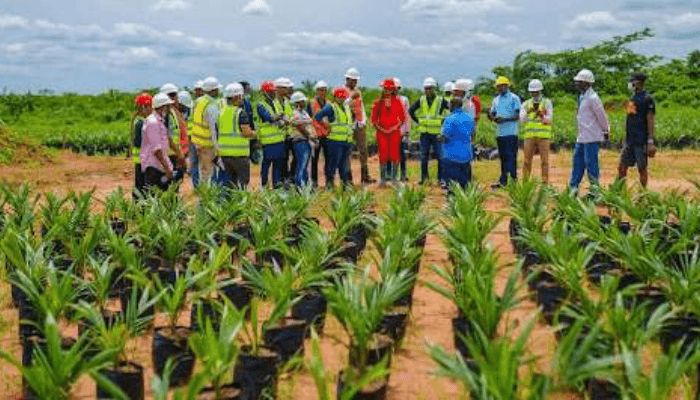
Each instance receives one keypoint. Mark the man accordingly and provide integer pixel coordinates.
(427, 112)
(505, 112)
(144, 103)
(640, 130)
(284, 88)
(322, 128)
(536, 116)
(340, 137)
(464, 88)
(303, 137)
(447, 90)
(271, 123)
(156, 166)
(192, 151)
(177, 129)
(457, 154)
(255, 148)
(186, 105)
(593, 128)
(234, 135)
(197, 88)
(405, 130)
(359, 125)
(206, 114)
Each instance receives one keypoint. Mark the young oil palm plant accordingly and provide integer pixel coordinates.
(21, 203)
(467, 223)
(359, 303)
(529, 202)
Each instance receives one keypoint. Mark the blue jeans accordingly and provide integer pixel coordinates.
(427, 142)
(302, 154)
(273, 155)
(221, 177)
(194, 165)
(585, 160)
(457, 172)
(508, 153)
(338, 154)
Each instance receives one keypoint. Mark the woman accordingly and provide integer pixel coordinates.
(303, 138)
(388, 114)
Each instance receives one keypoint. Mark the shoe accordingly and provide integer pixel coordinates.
(368, 181)
(497, 185)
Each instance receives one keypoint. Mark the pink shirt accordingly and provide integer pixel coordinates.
(155, 137)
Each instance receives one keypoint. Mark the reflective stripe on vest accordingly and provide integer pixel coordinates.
(269, 133)
(231, 143)
(174, 131)
(201, 136)
(534, 128)
(429, 119)
(341, 129)
(136, 150)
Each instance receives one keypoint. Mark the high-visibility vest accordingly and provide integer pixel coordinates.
(231, 142)
(341, 127)
(321, 130)
(269, 133)
(136, 150)
(429, 118)
(201, 136)
(174, 131)
(534, 128)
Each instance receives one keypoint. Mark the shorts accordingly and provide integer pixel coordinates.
(634, 155)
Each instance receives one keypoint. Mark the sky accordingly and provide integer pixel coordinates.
(89, 46)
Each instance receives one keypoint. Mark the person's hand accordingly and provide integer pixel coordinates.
(651, 150)
(606, 137)
(498, 120)
(169, 174)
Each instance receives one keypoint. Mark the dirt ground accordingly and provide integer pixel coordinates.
(412, 369)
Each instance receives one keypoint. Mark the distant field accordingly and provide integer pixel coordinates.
(100, 124)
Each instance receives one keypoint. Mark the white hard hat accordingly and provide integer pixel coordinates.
(160, 100)
(585, 75)
(233, 90)
(462, 84)
(429, 82)
(535, 85)
(320, 85)
(448, 86)
(168, 88)
(352, 73)
(210, 84)
(397, 82)
(198, 84)
(284, 82)
(297, 97)
(185, 98)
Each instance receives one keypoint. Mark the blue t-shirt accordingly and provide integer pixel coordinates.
(506, 105)
(457, 131)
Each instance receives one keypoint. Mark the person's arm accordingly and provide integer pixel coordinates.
(516, 110)
(327, 112)
(150, 133)
(548, 116)
(264, 115)
(651, 120)
(164, 162)
(244, 122)
(212, 115)
(412, 111)
(523, 115)
(132, 134)
(492, 111)
(600, 116)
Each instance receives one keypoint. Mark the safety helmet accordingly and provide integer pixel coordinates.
(210, 83)
(585, 75)
(320, 85)
(185, 98)
(448, 86)
(284, 82)
(233, 90)
(397, 82)
(389, 84)
(198, 84)
(143, 99)
(429, 82)
(160, 100)
(267, 86)
(535, 85)
(168, 88)
(297, 97)
(502, 80)
(341, 92)
(352, 73)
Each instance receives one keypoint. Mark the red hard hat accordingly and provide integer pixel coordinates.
(144, 99)
(267, 86)
(341, 92)
(389, 84)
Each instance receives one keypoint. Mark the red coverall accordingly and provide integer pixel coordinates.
(389, 117)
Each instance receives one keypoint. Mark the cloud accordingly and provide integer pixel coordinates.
(133, 55)
(683, 26)
(597, 20)
(257, 7)
(171, 5)
(446, 8)
(12, 21)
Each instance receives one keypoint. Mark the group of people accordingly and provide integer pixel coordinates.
(216, 138)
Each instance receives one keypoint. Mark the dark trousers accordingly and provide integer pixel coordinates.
(273, 156)
(508, 153)
(404, 155)
(427, 142)
(155, 179)
(314, 160)
(456, 172)
(139, 181)
(338, 154)
(238, 169)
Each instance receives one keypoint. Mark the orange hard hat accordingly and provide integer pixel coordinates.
(341, 92)
(143, 99)
(267, 86)
(389, 84)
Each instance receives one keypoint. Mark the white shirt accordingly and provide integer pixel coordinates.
(406, 126)
(592, 120)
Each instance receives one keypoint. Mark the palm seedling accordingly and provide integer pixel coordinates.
(529, 202)
(359, 303)
(351, 220)
(268, 233)
(21, 205)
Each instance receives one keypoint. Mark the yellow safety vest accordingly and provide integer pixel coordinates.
(201, 136)
(136, 150)
(269, 133)
(429, 118)
(534, 128)
(341, 127)
(174, 132)
(231, 142)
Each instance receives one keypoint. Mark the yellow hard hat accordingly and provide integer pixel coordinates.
(502, 80)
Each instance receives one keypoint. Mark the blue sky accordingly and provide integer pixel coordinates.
(90, 46)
